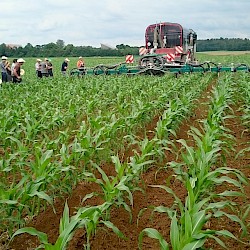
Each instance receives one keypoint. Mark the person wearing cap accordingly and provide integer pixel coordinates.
(3, 67)
(38, 68)
(44, 68)
(50, 68)
(65, 66)
(17, 71)
(13, 66)
(80, 65)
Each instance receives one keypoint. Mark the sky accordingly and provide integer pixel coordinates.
(113, 22)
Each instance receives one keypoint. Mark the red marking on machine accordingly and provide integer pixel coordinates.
(170, 57)
(142, 51)
(178, 50)
(129, 59)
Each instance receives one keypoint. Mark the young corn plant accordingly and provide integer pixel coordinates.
(188, 220)
(86, 217)
(23, 197)
(89, 142)
(198, 165)
(32, 126)
(115, 188)
(67, 228)
(147, 153)
(93, 217)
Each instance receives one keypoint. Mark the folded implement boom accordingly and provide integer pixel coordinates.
(159, 67)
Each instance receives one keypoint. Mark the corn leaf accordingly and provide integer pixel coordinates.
(154, 234)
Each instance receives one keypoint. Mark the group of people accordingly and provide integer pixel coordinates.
(44, 68)
(11, 72)
(80, 65)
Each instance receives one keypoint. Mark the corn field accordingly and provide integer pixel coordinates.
(126, 162)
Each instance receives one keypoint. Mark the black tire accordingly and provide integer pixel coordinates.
(150, 61)
(74, 72)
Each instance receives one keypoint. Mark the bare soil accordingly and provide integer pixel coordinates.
(48, 222)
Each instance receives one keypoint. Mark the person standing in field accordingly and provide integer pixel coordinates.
(13, 66)
(44, 68)
(50, 68)
(38, 68)
(17, 71)
(3, 67)
(80, 65)
(65, 66)
(8, 70)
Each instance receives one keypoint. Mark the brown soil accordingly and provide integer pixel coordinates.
(48, 222)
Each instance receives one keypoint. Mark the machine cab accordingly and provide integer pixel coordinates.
(171, 40)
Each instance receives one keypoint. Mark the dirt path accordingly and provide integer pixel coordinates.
(105, 239)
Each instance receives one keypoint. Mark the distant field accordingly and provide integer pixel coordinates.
(225, 57)
(223, 53)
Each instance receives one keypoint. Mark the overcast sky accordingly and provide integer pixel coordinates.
(83, 22)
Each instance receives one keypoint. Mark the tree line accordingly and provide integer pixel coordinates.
(59, 49)
(229, 44)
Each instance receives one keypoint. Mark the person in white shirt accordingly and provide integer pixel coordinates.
(38, 68)
(13, 66)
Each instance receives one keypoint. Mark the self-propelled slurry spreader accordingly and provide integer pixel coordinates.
(169, 47)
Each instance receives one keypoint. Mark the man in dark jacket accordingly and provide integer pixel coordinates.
(3, 67)
(65, 66)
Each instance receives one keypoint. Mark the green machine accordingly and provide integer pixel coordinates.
(156, 66)
(169, 47)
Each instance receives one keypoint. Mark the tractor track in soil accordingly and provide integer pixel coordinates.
(48, 222)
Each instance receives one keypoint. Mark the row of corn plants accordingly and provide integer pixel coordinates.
(176, 110)
(47, 105)
(128, 173)
(244, 88)
(200, 172)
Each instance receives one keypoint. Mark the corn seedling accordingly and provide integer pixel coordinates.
(188, 221)
(114, 187)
